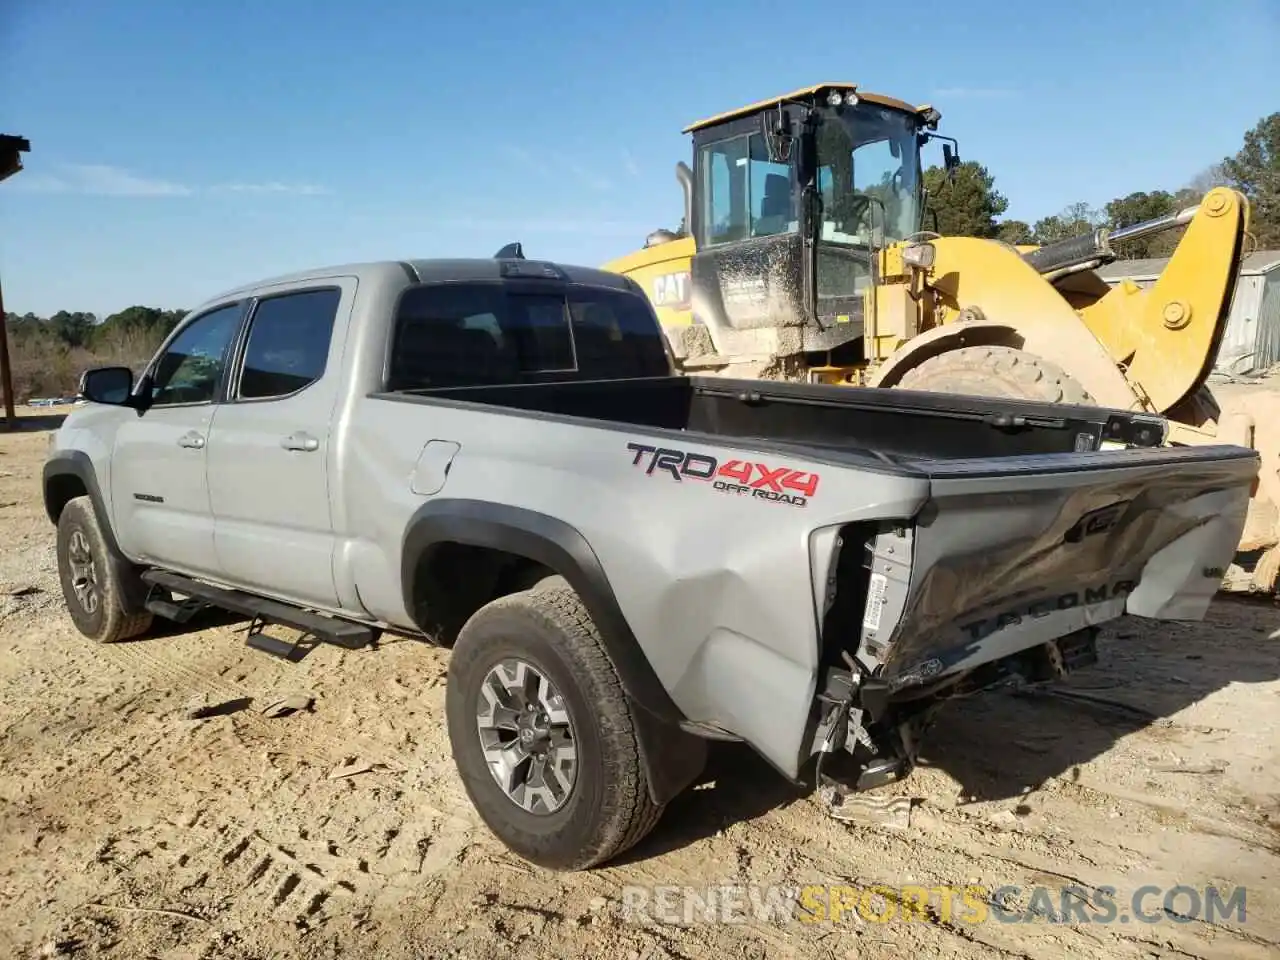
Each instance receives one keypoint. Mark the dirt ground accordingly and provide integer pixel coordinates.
(129, 830)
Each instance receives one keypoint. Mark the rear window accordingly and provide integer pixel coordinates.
(470, 334)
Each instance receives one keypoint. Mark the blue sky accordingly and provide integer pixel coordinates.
(182, 148)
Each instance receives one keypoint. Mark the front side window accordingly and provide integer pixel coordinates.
(470, 334)
(744, 193)
(191, 367)
(288, 345)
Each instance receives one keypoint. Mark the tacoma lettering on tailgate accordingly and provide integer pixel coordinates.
(742, 477)
(980, 629)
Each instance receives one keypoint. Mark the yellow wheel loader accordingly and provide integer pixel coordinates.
(803, 255)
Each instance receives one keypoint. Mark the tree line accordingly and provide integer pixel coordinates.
(49, 353)
(80, 329)
(968, 204)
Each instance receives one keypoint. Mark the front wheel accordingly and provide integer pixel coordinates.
(542, 734)
(996, 372)
(91, 587)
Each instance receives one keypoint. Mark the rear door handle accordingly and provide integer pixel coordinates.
(300, 441)
(192, 440)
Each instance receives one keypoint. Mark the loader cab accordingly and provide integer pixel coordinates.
(789, 201)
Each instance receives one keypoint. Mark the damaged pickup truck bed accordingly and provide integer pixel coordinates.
(496, 454)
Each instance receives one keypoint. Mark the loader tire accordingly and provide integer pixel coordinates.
(996, 372)
(91, 587)
(579, 794)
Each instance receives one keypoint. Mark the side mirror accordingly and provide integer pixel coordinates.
(777, 136)
(111, 385)
(950, 158)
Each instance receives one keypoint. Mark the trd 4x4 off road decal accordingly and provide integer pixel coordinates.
(743, 477)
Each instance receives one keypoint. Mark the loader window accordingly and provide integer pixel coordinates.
(744, 193)
(868, 175)
(869, 186)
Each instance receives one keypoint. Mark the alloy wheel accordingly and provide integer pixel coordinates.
(527, 736)
(84, 572)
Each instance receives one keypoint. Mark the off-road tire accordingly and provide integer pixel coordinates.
(996, 372)
(608, 809)
(106, 622)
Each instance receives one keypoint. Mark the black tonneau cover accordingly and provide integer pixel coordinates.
(901, 426)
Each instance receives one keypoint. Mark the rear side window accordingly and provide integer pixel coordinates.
(288, 344)
(471, 334)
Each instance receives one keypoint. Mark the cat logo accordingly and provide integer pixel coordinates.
(671, 290)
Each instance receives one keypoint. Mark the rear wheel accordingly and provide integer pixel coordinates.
(996, 372)
(542, 734)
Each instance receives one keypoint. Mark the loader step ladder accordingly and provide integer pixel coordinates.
(261, 611)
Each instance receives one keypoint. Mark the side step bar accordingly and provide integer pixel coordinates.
(342, 633)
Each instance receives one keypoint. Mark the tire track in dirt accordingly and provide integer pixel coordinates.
(265, 878)
(166, 661)
(269, 870)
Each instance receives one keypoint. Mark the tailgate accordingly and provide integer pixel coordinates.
(1010, 553)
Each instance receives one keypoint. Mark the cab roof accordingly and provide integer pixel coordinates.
(415, 271)
(801, 94)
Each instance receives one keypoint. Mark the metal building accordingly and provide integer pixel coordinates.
(1251, 343)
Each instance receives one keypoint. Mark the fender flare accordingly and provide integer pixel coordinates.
(1108, 388)
(76, 464)
(941, 340)
(672, 757)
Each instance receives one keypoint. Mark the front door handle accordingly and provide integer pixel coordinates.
(300, 441)
(192, 440)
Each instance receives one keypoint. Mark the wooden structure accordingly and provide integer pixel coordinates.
(11, 150)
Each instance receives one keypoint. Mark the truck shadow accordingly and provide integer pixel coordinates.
(1000, 745)
(206, 619)
(737, 786)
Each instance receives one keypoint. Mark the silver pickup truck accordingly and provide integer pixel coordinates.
(496, 454)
